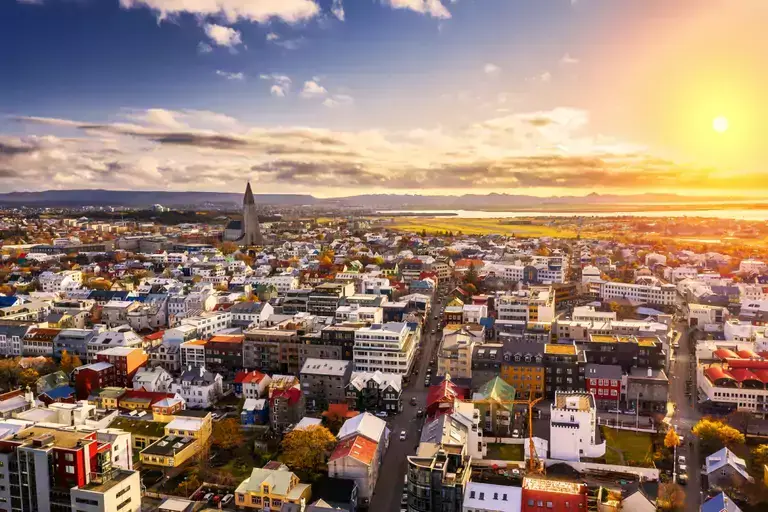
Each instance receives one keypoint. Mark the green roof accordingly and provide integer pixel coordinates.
(140, 427)
(497, 390)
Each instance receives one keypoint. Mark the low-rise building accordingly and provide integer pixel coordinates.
(573, 422)
(363, 440)
(153, 379)
(324, 382)
(540, 494)
(375, 392)
(270, 489)
(198, 387)
(604, 382)
(126, 360)
(286, 402)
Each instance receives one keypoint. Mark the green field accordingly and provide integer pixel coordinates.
(478, 227)
(514, 452)
(623, 446)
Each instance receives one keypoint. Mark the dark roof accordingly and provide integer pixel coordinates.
(196, 375)
(333, 490)
(235, 225)
(248, 199)
(251, 308)
(60, 392)
(603, 371)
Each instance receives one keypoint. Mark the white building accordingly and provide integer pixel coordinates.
(120, 337)
(388, 348)
(152, 379)
(64, 281)
(590, 273)
(472, 313)
(198, 387)
(588, 314)
(209, 322)
(482, 497)
(663, 295)
(282, 282)
(573, 423)
(119, 491)
(653, 258)
(376, 286)
(535, 304)
(704, 315)
(357, 313)
(752, 267)
(192, 353)
(675, 274)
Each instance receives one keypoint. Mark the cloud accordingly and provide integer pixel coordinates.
(171, 149)
(313, 90)
(230, 76)
(258, 11)
(434, 8)
(281, 84)
(338, 9)
(222, 36)
(288, 44)
(272, 36)
(546, 76)
(338, 100)
(568, 59)
(30, 2)
(203, 47)
(491, 69)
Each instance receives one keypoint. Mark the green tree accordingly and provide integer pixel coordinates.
(308, 448)
(471, 276)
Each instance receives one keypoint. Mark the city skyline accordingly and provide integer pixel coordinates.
(332, 98)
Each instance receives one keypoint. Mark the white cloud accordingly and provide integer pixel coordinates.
(203, 47)
(281, 84)
(272, 36)
(258, 11)
(223, 36)
(339, 100)
(434, 8)
(313, 90)
(491, 69)
(568, 59)
(338, 9)
(288, 44)
(545, 76)
(230, 76)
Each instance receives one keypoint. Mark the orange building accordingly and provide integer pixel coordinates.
(126, 360)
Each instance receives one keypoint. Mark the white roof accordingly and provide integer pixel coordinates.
(175, 505)
(313, 366)
(502, 498)
(365, 424)
(725, 457)
(185, 424)
(308, 422)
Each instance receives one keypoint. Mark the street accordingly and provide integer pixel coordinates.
(686, 416)
(390, 484)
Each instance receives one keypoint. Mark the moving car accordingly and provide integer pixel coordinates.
(402, 435)
(413, 400)
(381, 414)
(404, 499)
(419, 413)
(681, 459)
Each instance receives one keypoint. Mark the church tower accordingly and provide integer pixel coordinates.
(251, 228)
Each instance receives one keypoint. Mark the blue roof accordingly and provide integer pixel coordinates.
(6, 302)
(720, 503)
(487, 322)
(60, 392)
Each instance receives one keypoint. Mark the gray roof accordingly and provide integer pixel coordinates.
(14, 330)
(247, 308)
(333, 367)
(603, 371)
(197, 375)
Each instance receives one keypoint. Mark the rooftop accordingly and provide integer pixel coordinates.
(108, 481)
(555, 486)
(564, 350)
(168, 445)
(335, 367)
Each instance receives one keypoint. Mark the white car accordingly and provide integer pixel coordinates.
(681, 459)
(402, 435)
(683, 468)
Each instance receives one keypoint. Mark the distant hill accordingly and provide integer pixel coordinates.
(143, 199)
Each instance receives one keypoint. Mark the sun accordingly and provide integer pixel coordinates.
(720, 124)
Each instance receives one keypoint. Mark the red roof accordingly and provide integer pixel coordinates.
(747, 363)
(340, 409)
(446, 390)
(742, 374)
(748, 354)
(724, 353)
(292, 394)
(358, 447)
(254, 376)
(154, 336)
(227, 338)
(715, 373)
(762, 375)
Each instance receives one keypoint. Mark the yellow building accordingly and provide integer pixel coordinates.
(143, 433)
(523, 367)
(185, 436)
(268, 489)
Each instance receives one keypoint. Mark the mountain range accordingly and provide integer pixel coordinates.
(144, 199)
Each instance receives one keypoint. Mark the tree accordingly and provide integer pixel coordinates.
(307, 448)
(69, 362)
(671, 440)
(228, 248)
(28, 377)
(471, 276)
(6, 290)
(227, 434)
(714, 434)
(671, 497)
(760, 456)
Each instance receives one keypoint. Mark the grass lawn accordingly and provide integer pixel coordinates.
(505, 451)
(633, 446)
(477, 227)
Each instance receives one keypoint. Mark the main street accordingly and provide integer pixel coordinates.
(390, 485)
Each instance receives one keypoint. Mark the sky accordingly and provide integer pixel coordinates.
(342, 97)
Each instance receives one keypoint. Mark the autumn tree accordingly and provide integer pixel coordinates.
(307, 448)
(714, 434)
(471, 277)
(671, 440)
(69, 362)
(7, 290)
(228, 248)
(760, 456)
(28, 377)
(671, 497)
(227, 434)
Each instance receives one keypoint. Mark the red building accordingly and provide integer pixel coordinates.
(91, 377)
(604, 381)
(126, 360)
(543, 495)
(442, 397)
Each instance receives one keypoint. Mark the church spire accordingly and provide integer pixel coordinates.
(248, 199)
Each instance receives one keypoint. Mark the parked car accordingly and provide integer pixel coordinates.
(225, 501)
(682, 479)
(426, 382)
(404, 499)
(413, 400)
(419, 413)
(681, 459)
(683, 468)
(381, 414)
(208, 496)
(402, 435)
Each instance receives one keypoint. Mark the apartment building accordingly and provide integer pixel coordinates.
(326, 298)
(541, 494)
(354, 313)
(198, 387)
(192, 353)
(248, 314)
(74, 342)
(209, 322)
(536, 304)
(604, 381)
(115, 312)
(224, 353)
(120, 337)
(39, 342)
(282, 282)
(324, 382)
(166, 355)
(59, 282)
(664, 295)
(388, 348)
(286, 401)
(564, 367)
(454, 356)
(375, 392)
(11, 337)
(184, 437)
(271, 350)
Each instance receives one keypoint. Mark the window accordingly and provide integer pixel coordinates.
(71, 469)
(124, 504)
(549, 504)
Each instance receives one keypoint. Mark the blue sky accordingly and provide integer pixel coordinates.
(419, 95)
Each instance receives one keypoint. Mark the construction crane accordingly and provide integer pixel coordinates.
(534, 465)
